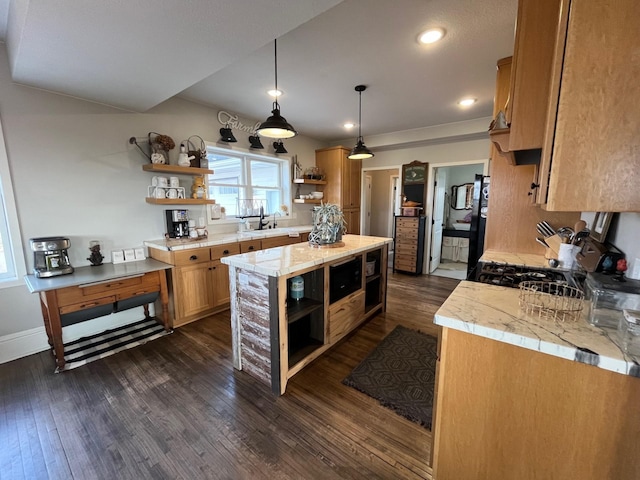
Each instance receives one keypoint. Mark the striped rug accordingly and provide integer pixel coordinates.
(87, 349)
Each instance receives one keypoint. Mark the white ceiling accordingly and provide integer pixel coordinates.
(135, 55)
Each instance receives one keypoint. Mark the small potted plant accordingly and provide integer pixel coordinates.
(328, 225)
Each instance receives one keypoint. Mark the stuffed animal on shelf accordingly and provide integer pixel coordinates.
(198, 189)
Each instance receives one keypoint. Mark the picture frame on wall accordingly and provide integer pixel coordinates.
(600, 226)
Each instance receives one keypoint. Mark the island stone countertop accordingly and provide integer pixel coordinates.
(279, 261)
(175, 244)
(493, 312)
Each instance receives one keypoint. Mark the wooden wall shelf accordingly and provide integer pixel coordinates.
(308, 181)
(180, 201)
(161, 168)
(313, 201)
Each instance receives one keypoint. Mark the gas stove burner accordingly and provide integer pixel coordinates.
(511, 275)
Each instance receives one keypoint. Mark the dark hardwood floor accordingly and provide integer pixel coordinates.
(176, 409)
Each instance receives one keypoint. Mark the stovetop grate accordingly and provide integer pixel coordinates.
(512, 275)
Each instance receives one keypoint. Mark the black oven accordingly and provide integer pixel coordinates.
(345, 278)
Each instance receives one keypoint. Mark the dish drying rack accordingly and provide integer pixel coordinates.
(552, 300)
(250, 207)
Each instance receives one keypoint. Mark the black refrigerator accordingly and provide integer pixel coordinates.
(478, 223)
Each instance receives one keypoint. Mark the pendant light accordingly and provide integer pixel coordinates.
(276, 126)
(360, 151)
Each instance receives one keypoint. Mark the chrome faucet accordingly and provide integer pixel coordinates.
(261, 221)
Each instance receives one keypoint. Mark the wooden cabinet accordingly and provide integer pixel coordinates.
(250, 246)
(199, 282)
(504, 402)
(408, 248)
(279, 241)
(526, 107)
(512, 219)
(591, 159)
(343, 183)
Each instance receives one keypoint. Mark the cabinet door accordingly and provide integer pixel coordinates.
(351, 170)
(220, 281)
(352, 217)
(593, 139)
(530, 72)
(193, 291)
(330, 160)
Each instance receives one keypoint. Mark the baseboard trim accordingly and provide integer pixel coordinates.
(22, 344)
(28, 342)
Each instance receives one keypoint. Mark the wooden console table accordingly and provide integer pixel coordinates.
(95, 291)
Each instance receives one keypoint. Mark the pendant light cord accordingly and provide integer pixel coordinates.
(360, 115)
(275, 56)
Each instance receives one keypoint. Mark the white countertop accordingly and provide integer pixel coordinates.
(493, 312)
(94, 274)
(279, 261)
(176, 244)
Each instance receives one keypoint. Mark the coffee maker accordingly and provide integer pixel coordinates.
(177, 223)
(50, 257)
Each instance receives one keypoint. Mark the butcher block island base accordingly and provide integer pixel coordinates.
(275, 336)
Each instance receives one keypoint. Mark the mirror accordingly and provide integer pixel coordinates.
(462, 196)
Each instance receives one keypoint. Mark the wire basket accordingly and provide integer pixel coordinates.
(557, 301)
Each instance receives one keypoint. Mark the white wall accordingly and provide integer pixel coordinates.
(75, 174)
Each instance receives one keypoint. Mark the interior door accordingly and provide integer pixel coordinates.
(367, 205)
(438, 218)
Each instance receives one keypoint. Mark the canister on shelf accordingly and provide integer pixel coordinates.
(296, 290)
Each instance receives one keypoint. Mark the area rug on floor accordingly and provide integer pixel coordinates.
(88, 349)
(400, 374)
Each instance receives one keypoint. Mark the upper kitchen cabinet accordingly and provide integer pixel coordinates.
(343, 183)
(526, 106)
(591, 151)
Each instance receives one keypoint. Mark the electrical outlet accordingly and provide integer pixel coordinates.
(635, 273)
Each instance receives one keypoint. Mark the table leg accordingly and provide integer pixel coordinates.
(45, 317)
(55, 328)
(146, 310)
(164, 300)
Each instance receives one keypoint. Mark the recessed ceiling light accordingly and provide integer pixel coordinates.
(349, 125)
(431, 36)
(467, 102)
(274, 93)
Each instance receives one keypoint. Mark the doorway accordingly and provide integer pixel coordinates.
(449, 232)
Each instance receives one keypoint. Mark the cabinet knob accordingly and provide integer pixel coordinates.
(226, 252)
(534, 186)
(251, 247)
(193, 257)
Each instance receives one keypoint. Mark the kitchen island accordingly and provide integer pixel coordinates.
(275, 336)
(523, 397)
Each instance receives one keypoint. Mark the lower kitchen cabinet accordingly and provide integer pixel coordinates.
(199, 281)
(408, 250)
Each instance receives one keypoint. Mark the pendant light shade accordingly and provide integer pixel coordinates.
(276, 126)
(360, 151)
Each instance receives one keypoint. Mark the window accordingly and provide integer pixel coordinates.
(244, 182)
(12, 266)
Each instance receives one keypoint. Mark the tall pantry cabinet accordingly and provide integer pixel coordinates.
(343, 183)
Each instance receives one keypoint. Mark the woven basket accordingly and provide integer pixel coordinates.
(553, 300)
